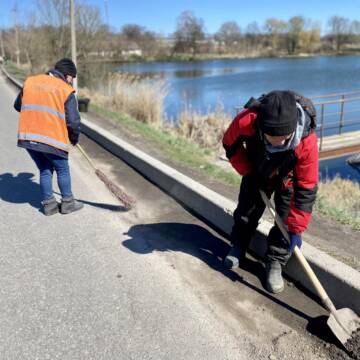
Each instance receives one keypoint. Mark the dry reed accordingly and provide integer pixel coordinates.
(143, 99)
(205, 130)
(140, 98)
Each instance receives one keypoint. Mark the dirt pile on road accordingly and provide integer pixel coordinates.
(353, 345)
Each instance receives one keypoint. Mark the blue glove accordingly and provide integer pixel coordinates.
(295, 240)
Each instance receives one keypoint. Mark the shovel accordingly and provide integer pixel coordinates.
(344, 323)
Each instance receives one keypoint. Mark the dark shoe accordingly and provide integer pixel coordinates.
(274, 280)
(234, 257)
(50, 206)
(69, 205)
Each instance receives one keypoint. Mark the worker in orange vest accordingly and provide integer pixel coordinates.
(49, 123)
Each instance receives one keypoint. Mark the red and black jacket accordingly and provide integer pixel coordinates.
(246, 152)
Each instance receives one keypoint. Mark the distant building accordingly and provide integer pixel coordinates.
(136, 52)
(102, 53)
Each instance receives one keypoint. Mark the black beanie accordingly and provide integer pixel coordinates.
(66, 66)
(277, 113)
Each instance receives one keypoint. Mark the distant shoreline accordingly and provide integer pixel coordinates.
(207, 57)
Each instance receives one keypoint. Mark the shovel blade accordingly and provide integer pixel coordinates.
(343, 323)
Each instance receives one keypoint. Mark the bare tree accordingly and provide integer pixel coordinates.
(275, 29)
(252, 34)
(189, 31)
(53, 17)
(88, 24)
(310, 38)
(28, 40)
(355, 27)
(339, 30)
(295, 29)
(17, 41)
(229, 34)
(355, 31)
(2, 44)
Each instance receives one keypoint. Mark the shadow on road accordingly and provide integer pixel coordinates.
(199, 242)
(21, 189)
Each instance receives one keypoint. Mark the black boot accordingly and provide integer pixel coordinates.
(234, 257)
(69, 205)
(50, 206)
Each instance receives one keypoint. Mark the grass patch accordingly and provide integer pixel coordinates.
(176, 148)
(339, 199)
(18, 73)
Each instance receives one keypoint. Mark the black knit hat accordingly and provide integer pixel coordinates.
(66, 66)
(277, 113)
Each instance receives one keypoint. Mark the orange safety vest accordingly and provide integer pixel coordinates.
(42, 116)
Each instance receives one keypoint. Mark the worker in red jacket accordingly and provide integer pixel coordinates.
(272, 143)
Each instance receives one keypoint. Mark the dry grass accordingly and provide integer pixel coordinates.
(340, 199)
(142, 99)
(205, 130)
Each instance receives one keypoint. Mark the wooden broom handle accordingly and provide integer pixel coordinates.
(85, 155)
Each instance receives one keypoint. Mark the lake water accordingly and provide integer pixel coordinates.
(328, 169)
(204, 84)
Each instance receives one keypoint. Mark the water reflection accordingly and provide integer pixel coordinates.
(190, 73)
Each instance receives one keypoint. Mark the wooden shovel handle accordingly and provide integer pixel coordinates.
(299, 255)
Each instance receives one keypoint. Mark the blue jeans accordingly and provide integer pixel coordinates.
(47, 163)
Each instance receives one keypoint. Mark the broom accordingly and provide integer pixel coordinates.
(120, 194)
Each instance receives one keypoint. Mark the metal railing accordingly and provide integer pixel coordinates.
(337, 113)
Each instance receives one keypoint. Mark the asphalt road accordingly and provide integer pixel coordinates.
(105, 283)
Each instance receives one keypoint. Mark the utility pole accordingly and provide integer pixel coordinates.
(73, 37)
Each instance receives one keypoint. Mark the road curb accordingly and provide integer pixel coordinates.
(340, 280)
(15, 82)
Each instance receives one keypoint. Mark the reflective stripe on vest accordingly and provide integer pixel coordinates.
(43, 108)
(43, 139)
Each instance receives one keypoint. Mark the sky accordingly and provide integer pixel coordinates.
(160, 15)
